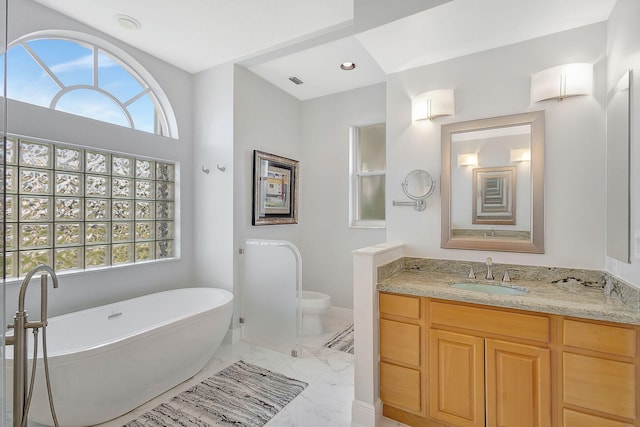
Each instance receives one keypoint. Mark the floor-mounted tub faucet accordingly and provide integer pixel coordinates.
(489, 263)
(19, 342)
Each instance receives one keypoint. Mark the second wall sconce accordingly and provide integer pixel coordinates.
(520, 155)
(432, 104)
(562, 82)
(468, 159)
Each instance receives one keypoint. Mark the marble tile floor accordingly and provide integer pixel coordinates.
(326, 402)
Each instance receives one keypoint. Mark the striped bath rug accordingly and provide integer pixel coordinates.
(342, 341)
(240, 395)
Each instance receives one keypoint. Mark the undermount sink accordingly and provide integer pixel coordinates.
(490, 289)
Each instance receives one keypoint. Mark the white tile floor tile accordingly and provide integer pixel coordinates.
(326, 402)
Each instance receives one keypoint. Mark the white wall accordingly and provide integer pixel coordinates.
(495, 83)
(265, 119)
(84, 289)
(213, 192)
(237, 112)
(327, 238)
(623, 49)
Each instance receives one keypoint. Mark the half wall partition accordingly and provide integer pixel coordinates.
(271, 283)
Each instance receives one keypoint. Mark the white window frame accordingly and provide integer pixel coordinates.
(165, 120)
(354, 174)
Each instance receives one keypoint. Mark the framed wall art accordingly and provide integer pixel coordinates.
(275, 189)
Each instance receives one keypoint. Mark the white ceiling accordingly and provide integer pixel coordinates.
(278, 39)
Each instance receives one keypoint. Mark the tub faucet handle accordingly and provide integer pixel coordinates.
(506, 277)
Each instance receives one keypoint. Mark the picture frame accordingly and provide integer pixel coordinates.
(494, 196)
(275, 189)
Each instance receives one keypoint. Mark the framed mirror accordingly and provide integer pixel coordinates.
(493, 184)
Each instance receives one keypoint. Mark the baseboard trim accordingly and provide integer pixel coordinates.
(341, 313)
(233, 335)
(364, 414)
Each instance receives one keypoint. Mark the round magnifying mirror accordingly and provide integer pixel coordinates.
(418, 184)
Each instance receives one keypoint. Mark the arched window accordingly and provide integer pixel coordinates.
(82, 75)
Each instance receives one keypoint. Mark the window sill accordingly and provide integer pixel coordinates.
(378, 225)
(62, 274)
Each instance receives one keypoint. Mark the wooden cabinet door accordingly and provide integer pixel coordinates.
(518, 385)
(456, 383)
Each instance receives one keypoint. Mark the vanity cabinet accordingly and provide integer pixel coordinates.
(481, 367)
(444, 363)
(599, 365)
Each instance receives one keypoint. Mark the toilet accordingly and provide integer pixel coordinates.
(314, 305)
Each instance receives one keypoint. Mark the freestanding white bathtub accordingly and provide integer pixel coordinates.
(108, 360)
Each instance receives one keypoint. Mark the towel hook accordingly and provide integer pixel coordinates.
(205, 170)
(221, 168)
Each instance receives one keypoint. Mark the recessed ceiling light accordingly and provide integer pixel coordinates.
(347, 66)
(127, 22)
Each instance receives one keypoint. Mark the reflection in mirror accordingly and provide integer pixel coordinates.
(618, 155)
(492, 184)
(494, 196)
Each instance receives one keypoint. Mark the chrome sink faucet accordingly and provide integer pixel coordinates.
(489, 263)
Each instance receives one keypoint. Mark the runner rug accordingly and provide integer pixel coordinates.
(240, 395)
(342, 341)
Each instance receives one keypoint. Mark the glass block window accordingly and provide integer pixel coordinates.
(77, 208)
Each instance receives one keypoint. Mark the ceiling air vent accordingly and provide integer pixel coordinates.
(296, 80)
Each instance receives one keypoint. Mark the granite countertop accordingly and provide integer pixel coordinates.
(568, 296)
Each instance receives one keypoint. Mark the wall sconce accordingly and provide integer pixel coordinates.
(520, 155)
(432, 104)
(468, 159)
(562, 82)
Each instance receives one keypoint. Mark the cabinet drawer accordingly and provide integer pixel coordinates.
(492, 321)
(398, 305)
(604, 338)
(578, 419)
(603, 385)
(400, 342)
(400, 387)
